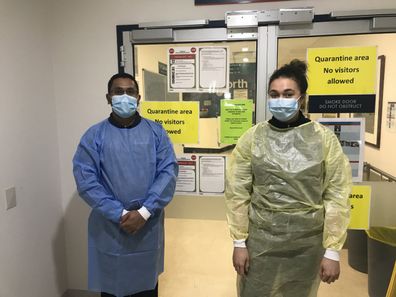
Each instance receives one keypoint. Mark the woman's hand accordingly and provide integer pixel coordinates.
(329, 270)
(240, 259)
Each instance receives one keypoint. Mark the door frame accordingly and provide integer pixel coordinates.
(266, 34)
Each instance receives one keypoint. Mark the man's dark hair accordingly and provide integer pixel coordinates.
(121, 75)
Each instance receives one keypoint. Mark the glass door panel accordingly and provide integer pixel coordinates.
(151, 67)
(379, 126)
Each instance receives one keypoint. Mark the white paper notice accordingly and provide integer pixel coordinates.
(187, 180)
(212, 174)
(182, 76)
(182, 69)
(213, 74)
(350, 133)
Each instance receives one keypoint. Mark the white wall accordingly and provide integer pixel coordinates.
(32, 241)
(85, 56)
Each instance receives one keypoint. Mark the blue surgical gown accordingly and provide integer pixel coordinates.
(125, 168)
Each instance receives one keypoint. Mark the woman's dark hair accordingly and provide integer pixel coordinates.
(295, 70)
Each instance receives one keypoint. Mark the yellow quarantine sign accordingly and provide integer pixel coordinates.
(360, 207)
(343, 70)
(179, 119)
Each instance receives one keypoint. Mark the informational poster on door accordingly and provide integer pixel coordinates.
(342, 80)
(182, 64)
(179, 119)
(198, 69)
(213, 69)
(359, 199)
(201, 175)
(187, 179)
(236, 118)
(212, 175)
(350, 133)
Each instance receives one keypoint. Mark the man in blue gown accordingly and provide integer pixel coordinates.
(125, 169)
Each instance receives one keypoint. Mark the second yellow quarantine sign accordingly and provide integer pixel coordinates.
(360, 207)
(343, 70)
(179, 119)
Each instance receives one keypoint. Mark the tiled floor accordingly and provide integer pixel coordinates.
(198, 264)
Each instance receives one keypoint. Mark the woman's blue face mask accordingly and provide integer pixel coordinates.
(283, 109)
(124, 105)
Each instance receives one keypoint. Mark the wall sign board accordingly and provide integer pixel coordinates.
(342, 80)
(218, 2)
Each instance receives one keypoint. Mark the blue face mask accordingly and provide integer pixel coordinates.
(283, 109)
(124, 105)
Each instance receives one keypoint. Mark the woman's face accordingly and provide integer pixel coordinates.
(285, 88)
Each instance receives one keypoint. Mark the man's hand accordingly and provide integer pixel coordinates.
(240, 259)
(132, 222)
(329, 270)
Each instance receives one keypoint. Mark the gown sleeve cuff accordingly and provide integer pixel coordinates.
(144, 213)
(332, 255)
(240, 243)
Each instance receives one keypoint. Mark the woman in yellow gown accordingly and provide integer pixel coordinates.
(287, 197)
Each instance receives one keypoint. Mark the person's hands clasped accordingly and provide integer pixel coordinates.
(132, 222)
(329, 270)
(240, 260)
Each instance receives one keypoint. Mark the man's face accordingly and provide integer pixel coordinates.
(123, 86)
